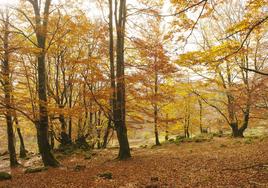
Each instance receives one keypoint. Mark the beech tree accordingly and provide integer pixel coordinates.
(7, 82)
(79, 78)
(120, 106)
(40, 26)
(227, 68)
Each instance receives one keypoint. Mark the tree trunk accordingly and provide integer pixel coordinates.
(98, 123)
(186, 132)
(22, 146)
(120, 112)
(11, 143)
(70, 118)
(155, 126)
(106, 134)
(7, 92)
(167, 133)
(112, 76)
(156, 103)
(44, 147)
(70, 128)
(246, 119)
(236, 132)
(42, 125)
(51, 139)
(65, 139)
(187, 118)
(239, 132)
(200, 116)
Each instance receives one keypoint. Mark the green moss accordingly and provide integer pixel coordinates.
(5, 176)
(88, 156)
(143, 146)
(35, 170)
(248, 141)
(59, 156)
(78, 168)
(106, 175)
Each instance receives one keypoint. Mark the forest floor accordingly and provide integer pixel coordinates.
(221, 162)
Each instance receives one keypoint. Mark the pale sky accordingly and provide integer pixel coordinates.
(93, 10)
(11, 2)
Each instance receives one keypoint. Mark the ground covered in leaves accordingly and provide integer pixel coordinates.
(221, 162)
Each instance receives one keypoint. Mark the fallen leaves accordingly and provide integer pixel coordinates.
(166, 166)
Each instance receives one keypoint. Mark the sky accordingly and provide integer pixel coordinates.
(93, 10)
(11, 2)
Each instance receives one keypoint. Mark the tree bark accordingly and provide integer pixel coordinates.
(200, 115)
(120, 112)
(112, 76)
(51, 137)
(239, 132)
(22, 146)
(42, 125)
(156, 103)
(236, 132)
(106, 134)
(156, 125)
(7, 92)
(167, 133)
(70, 128)
(98, 124)
(246, 120)
(65, 139)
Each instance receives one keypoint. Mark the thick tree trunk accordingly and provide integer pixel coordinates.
(11, 142)
(239, 132)
(246, 119)
(44, 147)
(120, 112)
(124, 150)
(42, 127)
(236, 132)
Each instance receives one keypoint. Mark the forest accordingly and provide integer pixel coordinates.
(133, 93)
